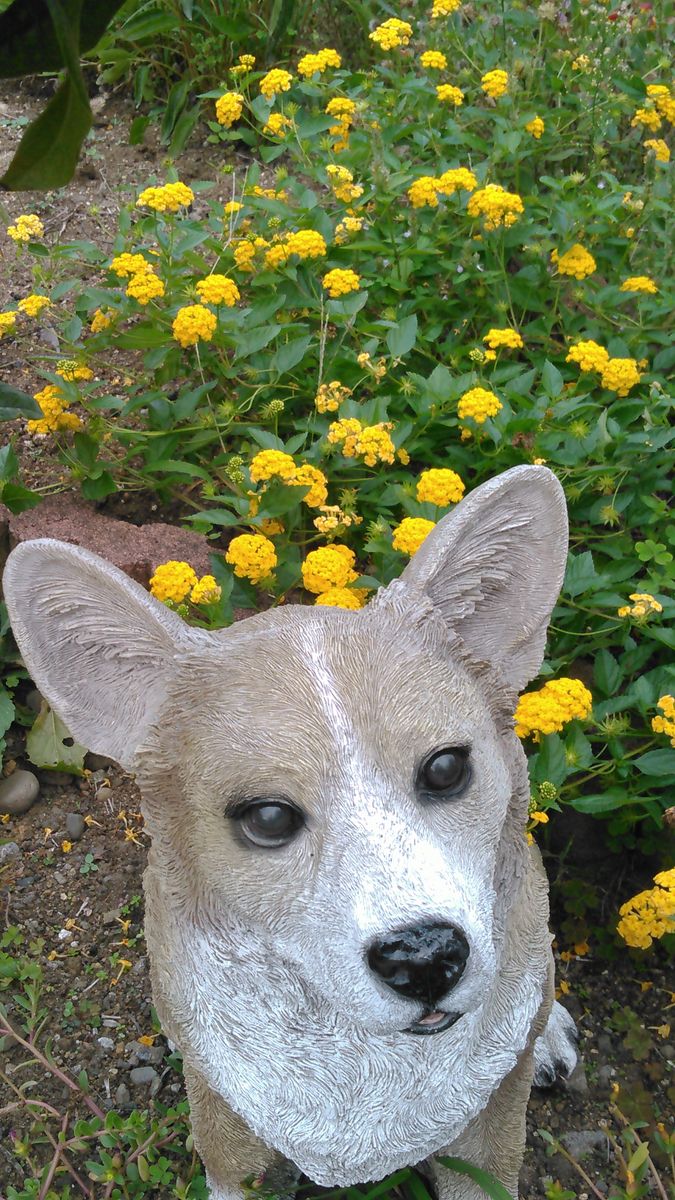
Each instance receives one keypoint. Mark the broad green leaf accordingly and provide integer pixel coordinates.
(581, 575)
(401, 339)
(18, 498)
(256, 340)
(289, 355)
(656, 762)
(607, 673)
(14, 403)
(50, 745)
(6, 710)
(604, 802)
(550, 763)
(28, 41)
(49, 149)
(551, 380)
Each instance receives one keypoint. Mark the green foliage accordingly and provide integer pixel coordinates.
(50, 746)
(47, 37)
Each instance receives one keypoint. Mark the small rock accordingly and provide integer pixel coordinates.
(111, 916)
(34, 700)
(122, 1095)
(143, 1075)
(106, 1043)
(605, 1045)
(75, 826)
(583, 1142)
(9, 851)
(103, 794)
(147, 1054)
(577, 1081)
(18, 793)
(605, 1078)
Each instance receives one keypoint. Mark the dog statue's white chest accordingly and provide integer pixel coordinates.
(345, 1105)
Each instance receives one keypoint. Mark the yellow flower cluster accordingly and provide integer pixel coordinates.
(253, 556)
(439, 486)
(194, 323)
(508, 339)
(639, 283)
(70, 370)
(550, 708)
(424, 192)
(173, 581)
(333, 517)
(650, 914)
(495, 83)
(433, 60)
(496, 206)
(311, 477)
(270, 464)
(620, 375)
(478, 404)
(206, 591)
(7, 323)
(328, 567)
(54, 418)
(218, 289)
(443, 8)
(535, 127)
(27, 226)
(245, 63)
(276, 125)
(344, 110)
(642, 607)
(340, 281)
(341, 597)
(391, 34)
(129, 264)
(577, 262)
(666, 723)
(648, 118)
(311, 64)
(101, 320)
(410, 533)
(306, 243)
(589, 356)
(330, 396)
(342, 183)
(229, 108)
(447, 93)
(275, 81)
(370, 442)
(33, 305)
(346, 227)
(169, 198)
(663, 100)
(145, 287)
(661, 149)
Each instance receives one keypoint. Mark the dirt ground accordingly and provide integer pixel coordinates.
(85, 901)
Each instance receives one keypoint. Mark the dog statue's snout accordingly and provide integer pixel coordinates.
(422, 962)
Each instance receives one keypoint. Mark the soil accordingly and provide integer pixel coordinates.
(621, 1005)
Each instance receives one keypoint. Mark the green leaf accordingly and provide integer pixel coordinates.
(581, 575)
(550, 763)
(14, 403)
(18, 498)
(289, 355)
(50, 745)
(29, 44)
(401, 339)
(604, 802)
(256, 340)
(656, 762)
(49, 149)
(491, 1186)
(6, 710)
(551, 380)
(607, 673)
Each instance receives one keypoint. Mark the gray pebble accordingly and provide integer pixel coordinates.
(122, 1095)
(583, 1142)
(106, 1043)
(103, 794)
(147, 1054)
(75, 826)
(18, 792)
(605, 1045)
(577, 1081)
(143, 1075)
(110, 917)
(9, 851)
(34, 700)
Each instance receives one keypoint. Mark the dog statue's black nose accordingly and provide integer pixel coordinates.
(422, 962)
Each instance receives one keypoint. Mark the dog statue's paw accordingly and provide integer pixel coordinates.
(555, 1052)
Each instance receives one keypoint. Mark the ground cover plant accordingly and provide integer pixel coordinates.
(426, 273)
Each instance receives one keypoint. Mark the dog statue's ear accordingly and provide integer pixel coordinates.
(99, 648)
(494, 568)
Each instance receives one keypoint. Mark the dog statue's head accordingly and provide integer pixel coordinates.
(343, 787)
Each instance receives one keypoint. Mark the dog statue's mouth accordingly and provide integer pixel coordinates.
(434, 1021)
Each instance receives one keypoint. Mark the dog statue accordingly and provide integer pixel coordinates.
(347, 929)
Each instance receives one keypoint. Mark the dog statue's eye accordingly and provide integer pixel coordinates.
(269, 823)
(445, 772)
